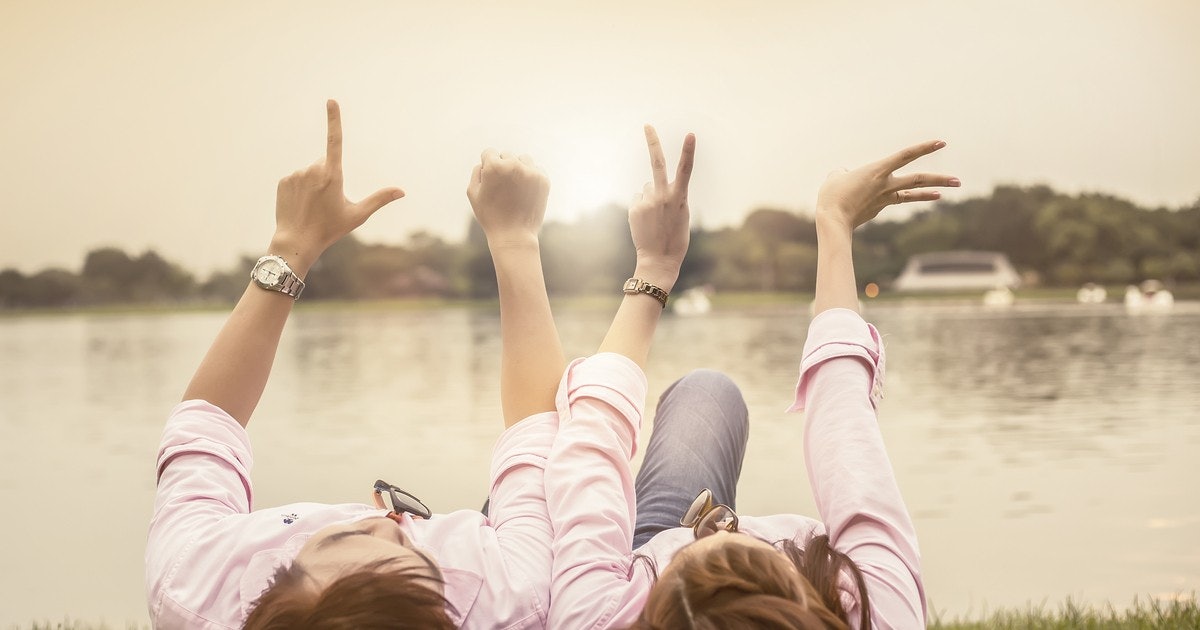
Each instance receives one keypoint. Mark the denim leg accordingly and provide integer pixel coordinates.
(698, 441)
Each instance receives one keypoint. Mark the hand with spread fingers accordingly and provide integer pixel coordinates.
(659, 220)
(508, 194)
(311, 208)
(851, 198)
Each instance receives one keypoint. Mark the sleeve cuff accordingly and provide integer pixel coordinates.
(838, 333)
(527, 442)
(198, 426)
(611, 378)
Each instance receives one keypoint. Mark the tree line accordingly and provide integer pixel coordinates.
(1052, 238)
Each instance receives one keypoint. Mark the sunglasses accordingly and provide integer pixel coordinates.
(706, 518)
(402, 502)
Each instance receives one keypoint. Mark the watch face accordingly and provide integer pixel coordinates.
(268, 272)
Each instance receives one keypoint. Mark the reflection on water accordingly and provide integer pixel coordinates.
(1043, 451)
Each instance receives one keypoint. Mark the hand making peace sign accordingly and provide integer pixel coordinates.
(659, 219)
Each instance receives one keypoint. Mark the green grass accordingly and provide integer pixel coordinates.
(1182, 613)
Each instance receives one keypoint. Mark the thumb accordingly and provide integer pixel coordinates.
(377, 200)
(474, 184)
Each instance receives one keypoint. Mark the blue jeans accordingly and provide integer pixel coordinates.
(698, 441)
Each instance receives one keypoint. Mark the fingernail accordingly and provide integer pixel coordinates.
(939, 144)
(937, 195)
(955, 182)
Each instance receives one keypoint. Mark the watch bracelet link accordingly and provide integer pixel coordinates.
(292, 286)
(637, 285)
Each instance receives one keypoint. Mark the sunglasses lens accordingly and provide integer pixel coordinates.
(401, 501)
(406, 502)
(717, 519)
(702, 503)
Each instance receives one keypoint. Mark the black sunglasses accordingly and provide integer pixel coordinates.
(402, 501)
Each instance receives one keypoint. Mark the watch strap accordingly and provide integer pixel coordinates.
(637, 285)
(292, 285)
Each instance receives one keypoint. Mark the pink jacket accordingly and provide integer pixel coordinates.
(210, 555)
(590, 491)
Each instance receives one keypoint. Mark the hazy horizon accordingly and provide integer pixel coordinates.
(159, 126)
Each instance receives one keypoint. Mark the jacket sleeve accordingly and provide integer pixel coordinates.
(853, 483)
(589, 490)
(204, 463)
(517, 500)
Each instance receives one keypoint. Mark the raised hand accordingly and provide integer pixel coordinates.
(848, 199)
(659, 219)
(311, 208)
(311, 213)
(508, 195)
(851, 198)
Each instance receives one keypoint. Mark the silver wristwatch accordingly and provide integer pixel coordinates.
(273, 274)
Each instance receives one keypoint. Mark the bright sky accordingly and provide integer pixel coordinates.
(167, 124)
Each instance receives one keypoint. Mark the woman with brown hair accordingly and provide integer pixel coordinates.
(212, 561)
(650, 552)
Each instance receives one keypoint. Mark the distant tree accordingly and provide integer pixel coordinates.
(701, 260)
(593, 255)
(108, 276)
(53, 288)
(778, 243)
(475, 263)
(156, 280)
(929, 232)
(12, 289)
(228, 285)
(335, 275)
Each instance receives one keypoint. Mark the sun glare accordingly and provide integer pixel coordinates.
(589, 174)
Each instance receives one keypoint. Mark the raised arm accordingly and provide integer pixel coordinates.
(659, 223)
(311, 213)
(508, 194)
(589, 483)
(841, 377)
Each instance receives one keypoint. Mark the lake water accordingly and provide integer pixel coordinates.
(1045, 452)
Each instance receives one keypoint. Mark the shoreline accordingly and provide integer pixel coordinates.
(1037, 296)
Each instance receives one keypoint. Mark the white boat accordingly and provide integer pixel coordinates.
(1091, 293)
(957, 270)
(1151, 297)
(999, 297)
(693, 301)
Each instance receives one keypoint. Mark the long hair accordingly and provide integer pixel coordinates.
(741, 586)
(371, 598)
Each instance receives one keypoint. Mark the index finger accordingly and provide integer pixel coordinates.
(683, 174)
(904, 157)
(658, 163)
(333, 145)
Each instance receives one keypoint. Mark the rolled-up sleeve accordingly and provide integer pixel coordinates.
(839, 389)
(203, 468)
(517, 500)
(589, 489)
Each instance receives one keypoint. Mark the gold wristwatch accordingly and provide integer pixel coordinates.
(637, 285)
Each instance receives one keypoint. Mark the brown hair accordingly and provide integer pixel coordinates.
(371, 598)
(741, 586)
